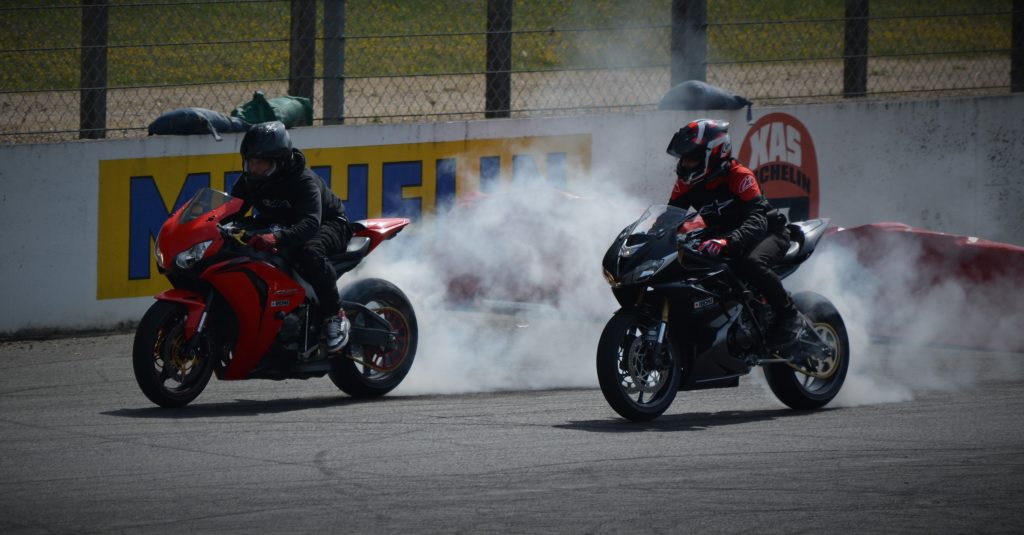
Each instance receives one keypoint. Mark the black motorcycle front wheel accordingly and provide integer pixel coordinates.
(166, 372)
(805, 389)
(638, 384)
(365, 370)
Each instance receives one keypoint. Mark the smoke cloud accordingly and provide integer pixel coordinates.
(922, 314)
(508, 288)
(509, 294)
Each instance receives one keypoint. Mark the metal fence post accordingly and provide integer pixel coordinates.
(92, 103)
(689, 41)
(1017, 55)
(334, 61)
(302, 53)
(498, 84)
(855, 49)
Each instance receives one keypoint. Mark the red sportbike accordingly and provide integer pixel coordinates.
(244, 314)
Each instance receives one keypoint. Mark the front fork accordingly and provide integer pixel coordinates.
(656, 336)
(198, 308)
(193, 341)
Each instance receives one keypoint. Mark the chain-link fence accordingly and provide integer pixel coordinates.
(107, 68)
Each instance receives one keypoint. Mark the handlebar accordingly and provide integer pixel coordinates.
(690, 240)
(232, 231)
(688, 245)
(242, 233)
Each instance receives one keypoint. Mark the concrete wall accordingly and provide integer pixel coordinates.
(949, 165)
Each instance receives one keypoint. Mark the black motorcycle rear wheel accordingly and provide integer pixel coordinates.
(166, 374)
(366, 371)
(806, 391)
(640, 386)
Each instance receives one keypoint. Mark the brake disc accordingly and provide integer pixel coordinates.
(644, 378)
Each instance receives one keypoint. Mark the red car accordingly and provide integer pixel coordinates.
(935, 287)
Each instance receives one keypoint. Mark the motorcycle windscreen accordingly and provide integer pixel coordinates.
(644, 246)
(203, 202)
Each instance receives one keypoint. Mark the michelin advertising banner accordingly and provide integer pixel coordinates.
(80, 218)
(137, 195)
(779, 149)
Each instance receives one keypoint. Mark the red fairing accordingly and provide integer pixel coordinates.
(381, 229)
(239, 310)
(259, 293)
(194, 303)
(175, 237)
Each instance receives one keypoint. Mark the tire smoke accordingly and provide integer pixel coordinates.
(916, 320)
(508, 291)
(507, 287)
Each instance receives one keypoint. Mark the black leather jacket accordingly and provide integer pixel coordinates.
(294, 198)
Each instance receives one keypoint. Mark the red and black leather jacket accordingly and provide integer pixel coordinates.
(731, 204)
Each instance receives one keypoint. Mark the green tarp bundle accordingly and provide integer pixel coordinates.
(292, 111)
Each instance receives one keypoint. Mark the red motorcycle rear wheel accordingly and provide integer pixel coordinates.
(372, 371)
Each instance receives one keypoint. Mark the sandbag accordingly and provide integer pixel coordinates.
(292, 111)
(191, 121)
(697, 95)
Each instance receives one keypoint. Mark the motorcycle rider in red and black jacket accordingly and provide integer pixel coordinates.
(740, 225)
(310, 218)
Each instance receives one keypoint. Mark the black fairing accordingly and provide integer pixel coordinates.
(645, 251)
(650, 263)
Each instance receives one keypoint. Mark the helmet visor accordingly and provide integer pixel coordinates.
(692, 165)
(259, 169)
(681, 143)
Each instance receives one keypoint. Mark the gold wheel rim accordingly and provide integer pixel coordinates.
(831, 337)
(168, 351)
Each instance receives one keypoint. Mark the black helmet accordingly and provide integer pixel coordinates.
(704, 141)
(267, 141)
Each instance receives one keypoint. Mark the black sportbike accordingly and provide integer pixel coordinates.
(687, 322)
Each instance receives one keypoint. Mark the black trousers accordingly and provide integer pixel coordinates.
(756, 264)
(310, 261)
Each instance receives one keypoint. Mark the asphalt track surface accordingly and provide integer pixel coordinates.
(81, 450)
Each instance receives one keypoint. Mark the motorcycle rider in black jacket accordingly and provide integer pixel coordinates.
(728, 198)
(310, 218)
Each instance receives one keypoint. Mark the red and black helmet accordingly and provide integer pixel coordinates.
(703, 147)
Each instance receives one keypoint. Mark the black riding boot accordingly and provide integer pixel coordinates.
(787, 326)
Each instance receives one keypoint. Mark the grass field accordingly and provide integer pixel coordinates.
(167, 44)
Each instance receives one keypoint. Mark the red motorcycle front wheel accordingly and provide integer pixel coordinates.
(166, 374)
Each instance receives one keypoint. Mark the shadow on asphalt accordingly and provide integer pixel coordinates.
(696, 421)
(241, 407)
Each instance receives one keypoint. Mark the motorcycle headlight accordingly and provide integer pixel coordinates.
(649, 268)
(187, 259)
(158, 253)
(610, 278)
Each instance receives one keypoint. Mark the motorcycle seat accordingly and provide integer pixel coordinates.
(357, 248)
(803, 237)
